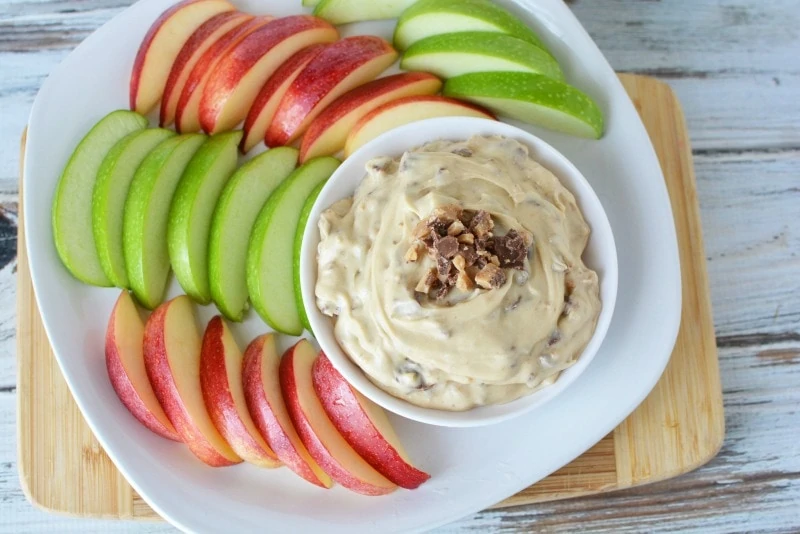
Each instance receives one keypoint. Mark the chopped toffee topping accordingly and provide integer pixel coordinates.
(466, 251)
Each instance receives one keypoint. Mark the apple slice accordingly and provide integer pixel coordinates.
(364, 425)
(346, 11)
(324, 443)
(532, 98)
(192, 209)
(172, 360)
(262, 391)
(234, 217)
(221, 383)
(161, 46)
(266, 103)
(340, 67)
(200, 41)
(110, 192)
(453, 54)
(144, 220)
(72, 203)
(270, 273)
(298, 244)
(328, 133)
(405, 111)
(187, 114)
(230, 92)
(125, 364)
(435, 17)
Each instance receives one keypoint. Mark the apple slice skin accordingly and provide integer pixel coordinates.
(532, 98)
(193, 209)
(159, 372)
(453, 54)
(72, 202)
(266, 103)
(298, 245)
(317, 448)
(258, 374)
(345, 408)
(221, 401)
(110, 192)
(234, 217)
(453, 17)
(148, 412)
(193, 50)
(143, 99)
(187, 113)
(340, 67)
(346, 11)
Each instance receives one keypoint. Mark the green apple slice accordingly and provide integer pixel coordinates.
(270, 263)
(72, 203)
(435, 17)
(234, 217)
(345, 11)
(110, 192)
(193, 208)
(453, 54)
(144, 223)
(531, 98)
(298, 244)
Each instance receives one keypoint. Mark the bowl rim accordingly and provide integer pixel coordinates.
(422, 132)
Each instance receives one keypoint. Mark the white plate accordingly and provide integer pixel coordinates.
(471, 468)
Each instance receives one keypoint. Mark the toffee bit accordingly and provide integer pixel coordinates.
(426, 282)
(440, 290)
(466, 217)
(481, 224)
(490, 277)
(466, 238)
(422, 230)
(456, 228)
(443, 266)
(469, 254)
(447, 247)
(460, 263)
(412, 254)
(495, 260)
(464, 282)
(446, 213)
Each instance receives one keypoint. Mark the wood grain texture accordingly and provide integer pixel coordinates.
(733, 64)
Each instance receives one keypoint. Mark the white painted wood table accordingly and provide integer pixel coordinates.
(735, 65)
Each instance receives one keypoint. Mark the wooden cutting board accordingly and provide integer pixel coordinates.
(678, 428)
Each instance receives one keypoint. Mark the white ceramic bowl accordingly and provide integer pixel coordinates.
(600, 255)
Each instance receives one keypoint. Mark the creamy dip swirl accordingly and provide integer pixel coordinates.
(476, 347)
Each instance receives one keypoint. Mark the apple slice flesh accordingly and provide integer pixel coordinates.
(532, 98)
(161, 46)
(125, 364)
(266, 103)
(454, 54)
(298, 245)
(72, 203)
(364, 425)
(262, 392)
(270, 273)
(221, 383)
(435, 17)
(192, 209)
(172, 360)
(327, 134)
(200, 41)
(339, 68)
(405, 111)
(346, 11)
(234, 217)
(144, 220)
(110, 192)
(230, 92)
(187, 114)
(324, 443)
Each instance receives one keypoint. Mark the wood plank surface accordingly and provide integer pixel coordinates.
(733, 64)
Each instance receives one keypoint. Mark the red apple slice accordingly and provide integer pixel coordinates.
(201, 40)
(364, 425)
(405, 111)
(262, 390)
(237, 78)
(266, 103)
(172, 361)
(221, 383)
(323, 441)
(187, 114)
(161, 45)
(125, 363)
(340, 67)
(327, 134)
